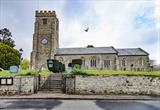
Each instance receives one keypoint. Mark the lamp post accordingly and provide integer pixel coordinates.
(50, 64)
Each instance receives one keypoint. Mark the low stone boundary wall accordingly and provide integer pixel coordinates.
(21, 85)
(114, 84)
(70, 84)
(81, 84)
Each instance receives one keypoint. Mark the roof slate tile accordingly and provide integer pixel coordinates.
(100, 50)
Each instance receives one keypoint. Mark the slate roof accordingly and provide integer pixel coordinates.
(131, 51)
(80, 51)
(101, 50)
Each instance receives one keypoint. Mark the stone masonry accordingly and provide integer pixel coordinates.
(115, 84)
(46, 46)
(21, 85)
(45, 38)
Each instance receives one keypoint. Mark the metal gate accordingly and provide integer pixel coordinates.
(51, 83)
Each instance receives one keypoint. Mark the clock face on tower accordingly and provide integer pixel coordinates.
(44, 40)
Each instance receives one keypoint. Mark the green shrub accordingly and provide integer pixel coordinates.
(78, 71)
(8, 56)
(63, 67)
(77, 66)
(60, 66)
(76, 62)
(57, 66)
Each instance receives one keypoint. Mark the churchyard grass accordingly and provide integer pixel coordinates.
(7, 73)
(120, 72)
(83, 71)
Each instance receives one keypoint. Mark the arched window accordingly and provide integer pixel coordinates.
(60, 59)
(123, 62)
(93, 62)
(83, 61)
(140, 62)
(107, 63)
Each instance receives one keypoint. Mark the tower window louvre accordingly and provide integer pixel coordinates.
(44, 21)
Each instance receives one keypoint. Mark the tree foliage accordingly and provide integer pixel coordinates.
(5, 37)
(55, 66)
(90, 46)
(25, 64)
(8, 56)
(76, 62)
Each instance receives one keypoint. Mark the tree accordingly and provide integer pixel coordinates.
(8, 56)
(5, 37)
(90, 46)
(55, 66)
(25, 64)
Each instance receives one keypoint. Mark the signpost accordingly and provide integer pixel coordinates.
(13, 69)
(6, 81)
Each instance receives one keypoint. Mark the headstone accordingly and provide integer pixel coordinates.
(13, 69)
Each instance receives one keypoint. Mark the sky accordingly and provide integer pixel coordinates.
(118, 23)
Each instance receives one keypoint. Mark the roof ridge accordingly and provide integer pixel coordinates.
(85, 50)
(131, 51)
(85, 47)
(127, 48)
(144, 51)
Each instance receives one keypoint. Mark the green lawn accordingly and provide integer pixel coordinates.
(6, 73)
(113, 72)
(119, 72)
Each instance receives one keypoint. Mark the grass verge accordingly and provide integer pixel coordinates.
(119, 72)
(6, 73)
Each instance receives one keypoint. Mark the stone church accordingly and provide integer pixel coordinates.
(46, 46)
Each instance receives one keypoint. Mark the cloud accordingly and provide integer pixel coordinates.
(74, 9)
(122, 24)
(19, 19)
(157, 15)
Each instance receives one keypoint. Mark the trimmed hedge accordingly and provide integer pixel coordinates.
(76, 62)
(56, 66)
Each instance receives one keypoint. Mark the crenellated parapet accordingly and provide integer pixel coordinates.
(45, 13)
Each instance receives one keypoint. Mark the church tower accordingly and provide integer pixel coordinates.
(45, 38)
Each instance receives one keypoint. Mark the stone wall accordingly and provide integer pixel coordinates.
(134, 61)
(115, 61)
(70, 85)
(50, 31)
(66, 59)
(21, 85)
(78, 84)
(118, 84)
